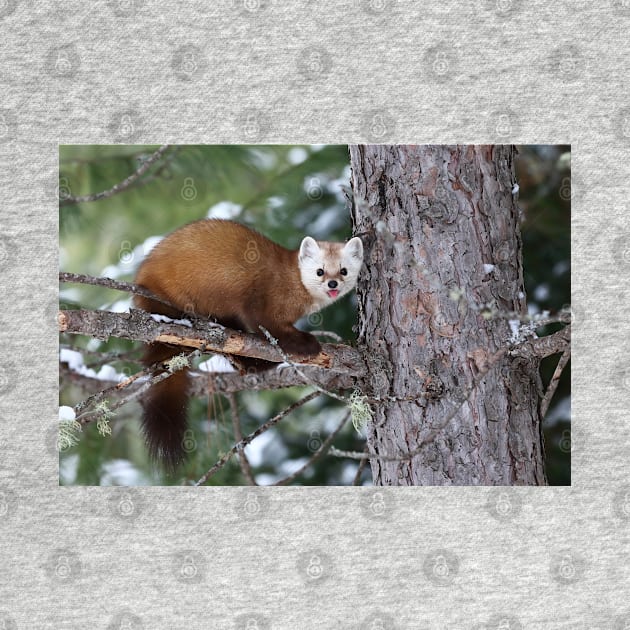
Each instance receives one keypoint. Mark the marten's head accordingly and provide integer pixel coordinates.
(329, 270)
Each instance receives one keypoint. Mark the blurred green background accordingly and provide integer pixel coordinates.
(284, 192)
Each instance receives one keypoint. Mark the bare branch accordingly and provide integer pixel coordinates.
(318, 453)
(246, 440)
(227, 382)
(541, 347)
(103, 358)
(361, 456)
(274, 342)
(90, 416)
(279, 378)
(238, 435)
(118, 188)
(553, 383)
(85, 417)
(128, 287)
(87, 383)
(116, 387)
(362, 465)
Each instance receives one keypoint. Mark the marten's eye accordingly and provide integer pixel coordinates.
(320, 272)
(344, 271)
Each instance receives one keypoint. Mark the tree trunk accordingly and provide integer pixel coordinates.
(443, 269)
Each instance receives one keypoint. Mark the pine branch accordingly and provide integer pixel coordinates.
(541, 347)
(318, 454)
(238, 435)
(239, 446)
(231, 382)
(128, 287)
(140, 326)
(125, 387)
(553, 383)
(118, 188)
(225, 382)
(274, 342)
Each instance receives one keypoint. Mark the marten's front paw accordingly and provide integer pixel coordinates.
(304, 344)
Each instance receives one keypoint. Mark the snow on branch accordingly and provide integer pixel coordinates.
(541, 347)
(138, 325)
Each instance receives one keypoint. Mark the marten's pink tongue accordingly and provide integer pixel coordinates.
(333, 293)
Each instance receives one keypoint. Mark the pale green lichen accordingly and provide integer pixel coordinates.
(104, 414)
(455, 294)
(360, 410)
(102, 426)
(178, 362)
(68, 434)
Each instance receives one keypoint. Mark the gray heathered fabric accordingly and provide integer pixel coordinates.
(270, 71)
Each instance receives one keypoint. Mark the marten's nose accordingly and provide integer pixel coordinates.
(332, 284)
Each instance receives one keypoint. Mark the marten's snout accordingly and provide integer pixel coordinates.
(332, 290)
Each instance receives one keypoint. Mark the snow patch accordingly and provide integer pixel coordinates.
(560, 411)
(224, 210)
(108, 373)
(515, 326)
(66, 413)
(533, 309)
(112, 271)
(254, 450)
(292, 465)
(149, 244)
(75, 362)
(297, 155)
(560, 268)
(216, 363)
(121, 472)
(336, 186)
(130, 259)
(541, 292)
(73, 358)
(121, 306)
(488, 268)
(164, 319)
(275, 202)
(327, 221)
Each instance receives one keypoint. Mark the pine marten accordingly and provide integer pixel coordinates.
(239, 278)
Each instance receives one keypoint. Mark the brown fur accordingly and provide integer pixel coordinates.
(226, 271)
(164, 420)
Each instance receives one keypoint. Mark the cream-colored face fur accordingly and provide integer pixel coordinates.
(329, 270)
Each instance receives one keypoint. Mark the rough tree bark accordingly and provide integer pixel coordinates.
(443, 249)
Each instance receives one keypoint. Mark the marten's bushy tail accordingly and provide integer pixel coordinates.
(165, 405)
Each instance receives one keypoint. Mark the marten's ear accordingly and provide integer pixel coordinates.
(354, 248)
(309, 249)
